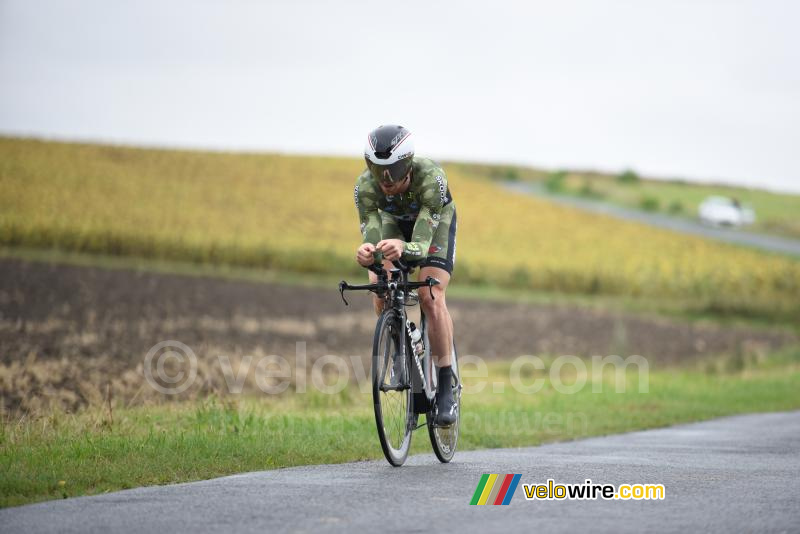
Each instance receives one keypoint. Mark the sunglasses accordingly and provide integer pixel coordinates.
(389, 174)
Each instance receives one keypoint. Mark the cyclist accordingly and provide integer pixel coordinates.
(407, 213)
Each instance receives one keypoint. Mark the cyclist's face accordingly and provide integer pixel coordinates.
(397, 188)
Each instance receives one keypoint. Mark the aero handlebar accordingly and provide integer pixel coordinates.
(384, 284)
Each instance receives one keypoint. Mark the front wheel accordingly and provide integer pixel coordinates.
(444, 439)
(391, 389)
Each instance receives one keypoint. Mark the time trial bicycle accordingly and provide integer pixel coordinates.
(404, 375)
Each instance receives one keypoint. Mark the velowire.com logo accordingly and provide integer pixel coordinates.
(495, 489)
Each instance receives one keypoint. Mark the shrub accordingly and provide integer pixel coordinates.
(588, 191)
(555, 181)
(675, 207)
(499, 173)
(628, 177)
(649, 203)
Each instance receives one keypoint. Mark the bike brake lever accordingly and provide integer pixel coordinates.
(432, 282)
(342, 286)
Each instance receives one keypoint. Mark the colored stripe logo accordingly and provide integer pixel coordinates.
(495, 489)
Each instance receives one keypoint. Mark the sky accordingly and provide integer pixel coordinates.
(701, 90)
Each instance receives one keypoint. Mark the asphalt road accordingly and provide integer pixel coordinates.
(730, 235)
(737, 474)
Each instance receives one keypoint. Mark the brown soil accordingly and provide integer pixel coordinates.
(74, 335)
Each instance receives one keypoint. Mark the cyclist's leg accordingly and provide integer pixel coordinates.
(440, 336)
(439, 265)
(440, 324)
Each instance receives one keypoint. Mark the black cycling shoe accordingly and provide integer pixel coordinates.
(446, 407)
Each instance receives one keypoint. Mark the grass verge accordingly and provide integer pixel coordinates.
(107, 448)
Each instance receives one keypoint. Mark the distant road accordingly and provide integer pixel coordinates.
(737, 474)
(739, 237)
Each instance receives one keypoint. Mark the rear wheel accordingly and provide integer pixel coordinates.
(444, 439)
(391, 390)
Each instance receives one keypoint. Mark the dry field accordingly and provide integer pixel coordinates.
(295, 213)
(71, 336)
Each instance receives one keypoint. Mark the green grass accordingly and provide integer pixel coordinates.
(102, 449)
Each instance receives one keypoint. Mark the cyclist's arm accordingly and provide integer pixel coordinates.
(421, 237)
(368, 215)
(434, 197)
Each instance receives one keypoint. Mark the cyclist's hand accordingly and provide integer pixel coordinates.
(364, 254)
(392, 248)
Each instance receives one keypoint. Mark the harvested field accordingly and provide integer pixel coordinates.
(71, 336)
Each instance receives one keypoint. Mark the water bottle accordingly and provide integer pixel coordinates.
(416, 340)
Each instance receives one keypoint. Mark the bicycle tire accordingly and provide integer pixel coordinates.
(393, 408)
(444, 440)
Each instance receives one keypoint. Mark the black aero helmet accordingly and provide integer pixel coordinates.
(389, 153)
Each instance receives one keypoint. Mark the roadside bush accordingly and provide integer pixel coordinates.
(588, 191)
(648, 203)
(509, 174)
(628, 177)
(675, 207)
(555, 181)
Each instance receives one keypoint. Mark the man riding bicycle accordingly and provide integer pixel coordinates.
(407, 213)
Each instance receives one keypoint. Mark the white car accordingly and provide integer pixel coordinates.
(722, 211)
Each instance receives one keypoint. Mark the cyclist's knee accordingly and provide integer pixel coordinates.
(433, 306)
(378, 303)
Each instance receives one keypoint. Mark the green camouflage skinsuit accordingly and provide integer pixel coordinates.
(424, 216)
